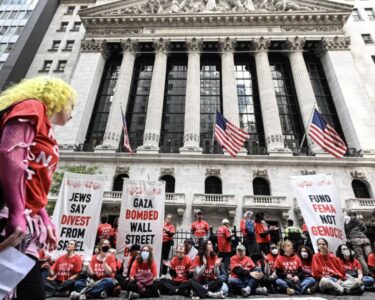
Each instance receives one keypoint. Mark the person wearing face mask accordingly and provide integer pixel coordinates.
(102, 270)
(270, 272)
(353, 269)
(143, 273)
(305, 254)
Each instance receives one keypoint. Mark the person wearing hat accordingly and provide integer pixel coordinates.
(247, 228)
(199, 228)
(190, 249)
(224, 243)
(123, 274)
(244, 277)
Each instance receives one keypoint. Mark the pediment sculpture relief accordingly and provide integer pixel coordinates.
(157, 7)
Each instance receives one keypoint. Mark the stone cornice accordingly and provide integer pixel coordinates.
(337, 43)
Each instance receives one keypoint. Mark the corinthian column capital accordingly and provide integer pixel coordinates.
(295, 44)
(261, 44)
(161, 45)
(95, 46)
(227, 45)
(194, 45)
(129, 45)
(336, 43)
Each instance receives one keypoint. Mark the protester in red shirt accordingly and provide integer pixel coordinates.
(63, 273)
(199, 228)
(101, 269)
(104, 229)
(271, 258)
(143, 273)
(114, 233)
(262, 233)
(244, 277)
(289, 272)
(305, 254)
(168, 231)
(224, 243)
(371, 263)
(327, 268)
(353, 269)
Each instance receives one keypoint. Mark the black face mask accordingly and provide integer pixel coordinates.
(105, 248)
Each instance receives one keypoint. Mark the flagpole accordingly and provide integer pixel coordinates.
(308, 126)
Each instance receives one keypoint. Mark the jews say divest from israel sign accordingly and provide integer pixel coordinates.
(320, 206)
(77, 212)
(141, 218)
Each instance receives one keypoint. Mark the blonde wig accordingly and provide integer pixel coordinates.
(54, 92)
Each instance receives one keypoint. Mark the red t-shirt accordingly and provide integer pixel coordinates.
(260, 228)
(65, 267)
(171, 229)
(304, 228)
(245, 263)
(271, 261)
(327, 266)
(351, 265)
(114, 236)
(182, 267)
(306, 266)
(97, 266)
(243, 227)
(288, 264)
(104, 231)
(143, 267)
(209, 272)
(44, 152)
(371, 262)
(223, 242)
(200, 228)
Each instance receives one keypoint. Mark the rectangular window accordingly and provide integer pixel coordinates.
(9, 47)
(355, 15)
(76, 26)
(19, 30)
(63, 26)
(83, 7)
(61, 66)
(5, 15)
(12, 30)
(46, 66)
(70, 10)
(3, 46)
(3, 30)
(370, 14)
(13, 15)
(69, 46)
(28, 14)
(367, 39)
(55, 45)
(373, 58)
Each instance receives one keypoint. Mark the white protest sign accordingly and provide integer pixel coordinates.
(321, 208)
(77, 212)
(142, 217)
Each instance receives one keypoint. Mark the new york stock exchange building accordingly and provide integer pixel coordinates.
(171, 64)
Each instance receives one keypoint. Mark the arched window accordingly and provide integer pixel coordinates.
(119, 182)
(261, 187)
(169, 183)
(360, 189)
(212, 185)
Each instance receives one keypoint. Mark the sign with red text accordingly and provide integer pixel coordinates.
(141, 218)
(320, 206)
(77, 212)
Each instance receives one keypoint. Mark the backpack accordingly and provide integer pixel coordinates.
(249, 224)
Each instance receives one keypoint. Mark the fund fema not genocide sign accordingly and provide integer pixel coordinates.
(142, 217)
(320, 206)
(77, 212)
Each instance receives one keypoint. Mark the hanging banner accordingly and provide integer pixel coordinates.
(77, 212)
(320, 206)
(141, 218)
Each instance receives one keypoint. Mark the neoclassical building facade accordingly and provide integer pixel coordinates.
(171, 64)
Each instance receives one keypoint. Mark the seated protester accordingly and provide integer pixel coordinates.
(271, 258)
(305, 254)
(102, 270)
(353, 269)
(190, 249)
(207, 271)
(63, 273)
(269, 279)
(244, 277)
(123, 273)
(289, 272)
(45, 262)
(327, 268)
(181, 270)
(143, 273)
(117, 290)
(371, 263)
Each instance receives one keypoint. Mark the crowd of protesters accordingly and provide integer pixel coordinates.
(216, 265)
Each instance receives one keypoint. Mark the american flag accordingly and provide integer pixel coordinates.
(126, 135)
(325, 136)
(229, 136)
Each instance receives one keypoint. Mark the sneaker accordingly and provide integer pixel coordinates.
(103, 295)
(74, 295)
(246, 291)
(133, 295)
(290, 291)
(261, 291)
(216, 295)
(308, 292)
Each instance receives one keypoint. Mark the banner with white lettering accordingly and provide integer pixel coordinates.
(142, 217)
(77, 212)
(320, 206)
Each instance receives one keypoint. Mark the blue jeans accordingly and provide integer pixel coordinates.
(105, 284)
(299, 287)
(248, 282)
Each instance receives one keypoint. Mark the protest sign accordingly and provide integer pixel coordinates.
(77, 212)
(320, 206)
(142, 217)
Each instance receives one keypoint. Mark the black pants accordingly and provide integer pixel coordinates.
(264, 247)
(122, 281)
(31, 287)
(166, 248)
(226, 261)
(151, 290)
(54, 287)
(170, 287)
(250, 244)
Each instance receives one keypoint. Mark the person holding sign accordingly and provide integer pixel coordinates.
(28, 159)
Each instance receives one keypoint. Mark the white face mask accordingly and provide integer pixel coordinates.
(144, 255)
(275, 251)
(346, 252)
(304, 255)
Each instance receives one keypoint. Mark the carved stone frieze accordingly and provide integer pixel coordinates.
(129, 45)
(114, 31)
(161, 45)
(303, 28)
(212, 172)
(337, 43)
(274, 138)
(358, 175)
(194, 45)
(260, 44)
(260, 173)
(151, 137)
(94, 46)
(112, 136)
(227, 45)
(308, 172)
(295, 44)
(191, 137)
(167, 171)
(122, 170)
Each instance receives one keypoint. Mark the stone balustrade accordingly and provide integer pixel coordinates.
(216, 200)
(360, 204)
(272, 202)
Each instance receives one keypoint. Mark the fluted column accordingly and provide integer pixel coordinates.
(302, 83)
(86, 80)
(192, 100)
(114, 127)
(151, 135)
(268, 102)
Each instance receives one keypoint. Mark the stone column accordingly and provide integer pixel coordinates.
(86, 80)
(270, 112)
(192, 100)
(354, 107)
(114, 127)
(302, 83)
(151, 135)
